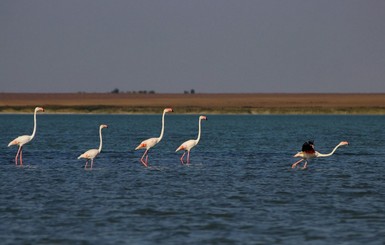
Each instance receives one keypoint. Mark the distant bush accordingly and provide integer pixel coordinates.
(141, 92)
(192, 91)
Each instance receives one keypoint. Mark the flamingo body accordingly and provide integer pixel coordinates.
(151, 142)
(148, 143)
(21, 140)
(311, 153)
(24, 139)
(92, 153)
(189, 144)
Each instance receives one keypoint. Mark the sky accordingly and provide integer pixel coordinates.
(211, 46)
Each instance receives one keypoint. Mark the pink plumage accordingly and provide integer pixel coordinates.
(309, 154)
(92, 153)
(149, 143)
(24, 139)
(189, 144)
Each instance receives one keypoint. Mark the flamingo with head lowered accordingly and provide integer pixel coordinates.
(189, 144)
(149, 143)
(92, 153)
(24, 139)
(308, 152)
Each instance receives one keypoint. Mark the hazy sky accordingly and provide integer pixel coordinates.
(206, 45)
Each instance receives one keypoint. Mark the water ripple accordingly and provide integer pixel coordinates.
(238, 189)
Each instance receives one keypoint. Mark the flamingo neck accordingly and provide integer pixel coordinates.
(101, 139)
(34, 125)
(199, 131)
(329, 154)
(162, 131)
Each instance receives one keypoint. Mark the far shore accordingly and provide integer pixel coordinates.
(248, 103)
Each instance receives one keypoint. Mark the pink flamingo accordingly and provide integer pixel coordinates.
(189, 144)
(24, 139)
(92, 153)
(149, 143)
(308, 153)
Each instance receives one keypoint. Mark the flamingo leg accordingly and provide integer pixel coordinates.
(145, 162)
(188, 157)
(85, 166)
(21, 157)
(181, 159)
(296, 163)
(17, 154)
(92, 163)
(305, 166)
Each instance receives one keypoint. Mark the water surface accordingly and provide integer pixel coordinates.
(239, 188)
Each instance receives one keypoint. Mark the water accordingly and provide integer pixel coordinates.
(239, 188)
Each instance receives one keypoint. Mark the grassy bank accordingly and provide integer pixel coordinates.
(100, 109)
(195, 103)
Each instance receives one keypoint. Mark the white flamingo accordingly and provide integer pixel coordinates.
(24, 139)
(92, 153)
(308, 153)
(149, 143)
(189, 144)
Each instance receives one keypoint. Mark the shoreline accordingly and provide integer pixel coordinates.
(237, 104)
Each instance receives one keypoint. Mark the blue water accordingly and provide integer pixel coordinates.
(239, 188)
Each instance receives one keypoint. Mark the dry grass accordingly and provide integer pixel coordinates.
(196, 103)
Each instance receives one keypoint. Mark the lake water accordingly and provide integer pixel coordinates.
(239, 188)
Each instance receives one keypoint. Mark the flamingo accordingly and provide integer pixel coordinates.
(24, 139)
(308, 153)
(189, 144)
(149, 143)
(92, 153)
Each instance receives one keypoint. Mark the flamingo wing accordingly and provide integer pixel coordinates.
(187, 145)
(90, 154)
(148, 143)
(21, 140)
(306, 155)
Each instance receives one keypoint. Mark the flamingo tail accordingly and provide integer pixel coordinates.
(81, 156)
(13, 142)
(179, 148)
